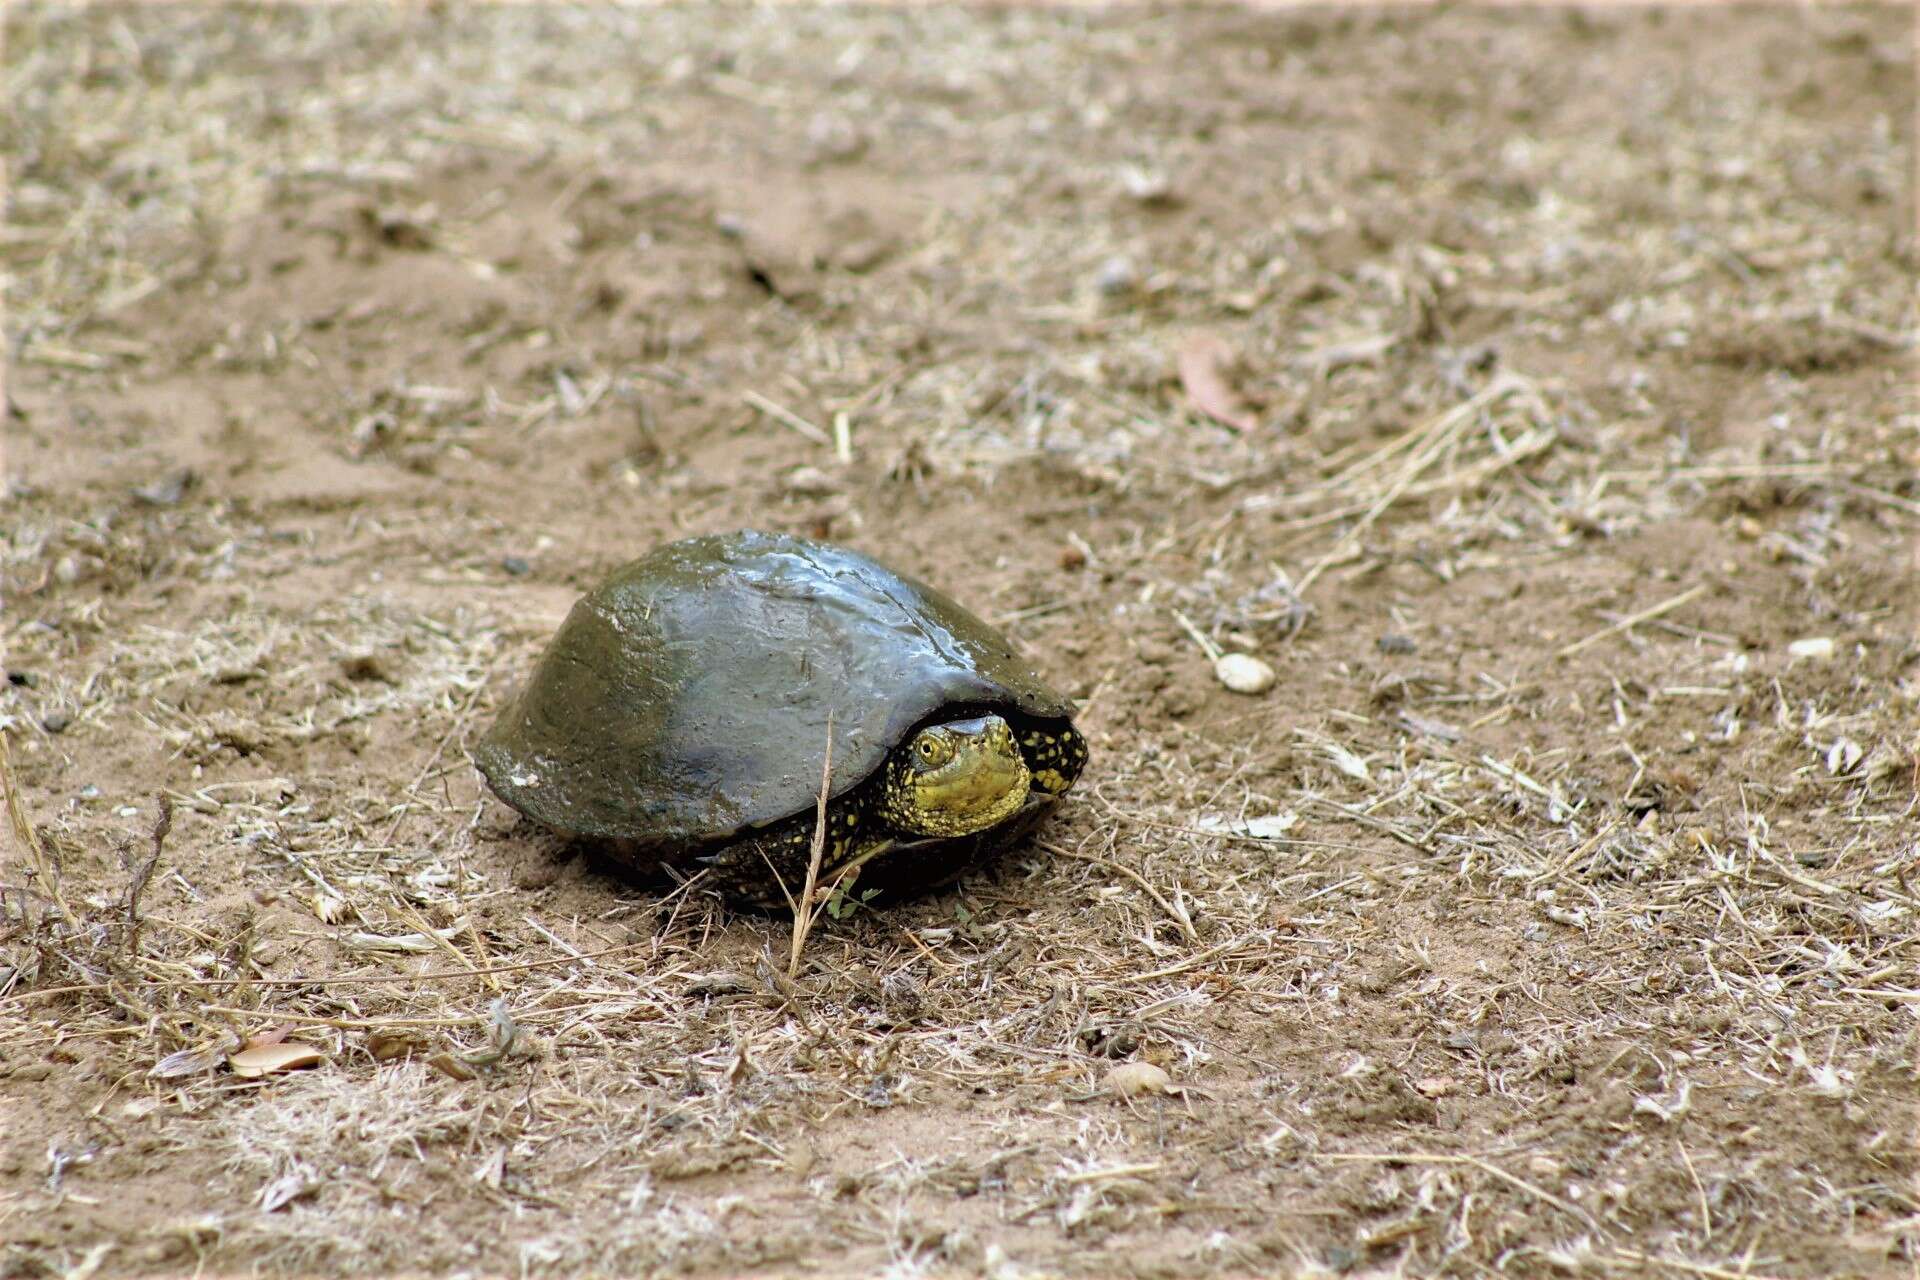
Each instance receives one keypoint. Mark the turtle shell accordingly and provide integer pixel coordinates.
(687, 697)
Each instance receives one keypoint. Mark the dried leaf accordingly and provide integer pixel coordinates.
(284, 1190)
(189, 1062)
(1347, 762)
(266, 1059)
(273, 1035)
(1204, 361)
(503, 1033)
(717, 984)
(1813, 648)
(418, 943)
(448, 1065)
(386, 1045)
(1431, 728)
(1273, 826)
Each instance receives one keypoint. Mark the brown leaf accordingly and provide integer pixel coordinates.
(740, 1068)
(385, 1044)
(266, 1059)
(284, 1190)
(1204, 361)
(448, 1065)
(274, 1035)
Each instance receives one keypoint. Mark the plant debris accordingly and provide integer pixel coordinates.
(1204, 364)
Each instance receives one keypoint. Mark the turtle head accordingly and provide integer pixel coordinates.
(954, 778)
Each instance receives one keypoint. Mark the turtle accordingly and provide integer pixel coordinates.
(694, 705)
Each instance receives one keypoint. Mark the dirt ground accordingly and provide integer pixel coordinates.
(1533, 390)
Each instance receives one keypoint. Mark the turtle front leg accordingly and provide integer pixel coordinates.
(1055, 757)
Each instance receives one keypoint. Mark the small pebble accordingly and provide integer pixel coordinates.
(1148, 186)
(56, 721)
(863, 255)
(167, 491)
(1154, 653)
(1244, 673)
(516, 566)
(365, 666)
(835, 138)
(1116, 277)
(1072, 557)
(1131, 1079)
(1814, 648)
(1394, 642)
(69, 569)
(811, 482)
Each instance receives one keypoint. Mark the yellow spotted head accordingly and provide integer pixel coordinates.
(955, 778)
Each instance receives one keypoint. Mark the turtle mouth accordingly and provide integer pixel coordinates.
(974, 777)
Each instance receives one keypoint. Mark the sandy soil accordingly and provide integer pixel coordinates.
(1547, 422)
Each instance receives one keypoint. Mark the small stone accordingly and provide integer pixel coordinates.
(168, 490)
(835, 138)
(1072, 558)
(1244, 673)
(864, 254)
(365, 666)
(810, 482)
(1393, 642)
(72, 568)
(517, 566)
(1132, 1079)
(1116, 277)
(1150, 187)
(56, 721)
(1155, 653)
(1813, 648)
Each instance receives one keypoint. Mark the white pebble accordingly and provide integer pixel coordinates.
(1116, 277)
(1244, 673)
(1132, 1079)
(1816, 648)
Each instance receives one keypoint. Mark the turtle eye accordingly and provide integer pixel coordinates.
(929, 749)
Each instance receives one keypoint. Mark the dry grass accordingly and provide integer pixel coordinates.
(1554, 913)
